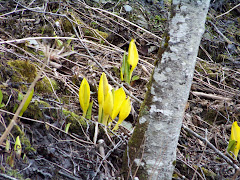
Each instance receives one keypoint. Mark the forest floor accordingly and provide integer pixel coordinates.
(84, 39)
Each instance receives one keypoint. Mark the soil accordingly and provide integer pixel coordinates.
(82, 40)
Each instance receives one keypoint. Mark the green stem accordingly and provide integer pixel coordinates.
(105, 119)
(100, 112)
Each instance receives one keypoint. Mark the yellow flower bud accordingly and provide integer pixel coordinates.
(124, 112)
(84, 96)
(235, 138)
(132, 56)
(119, 97)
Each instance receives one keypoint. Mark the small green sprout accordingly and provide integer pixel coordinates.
(67, 127)
(1, 98)
(18, 147)
(7, 146)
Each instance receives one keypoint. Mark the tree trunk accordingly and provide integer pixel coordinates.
(151, 152)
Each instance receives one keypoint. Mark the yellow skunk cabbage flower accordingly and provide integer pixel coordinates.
(132, 56)
(124, 112)
(18, 147)
(234, 142)
(84, 96)
(102, 93)
(103, 88)
(119, 97)
(107, 107)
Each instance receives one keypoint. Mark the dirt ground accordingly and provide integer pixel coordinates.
(83, 39)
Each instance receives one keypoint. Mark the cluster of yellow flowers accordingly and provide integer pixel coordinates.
(111, 102)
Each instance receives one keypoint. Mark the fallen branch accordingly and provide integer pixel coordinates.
(228, 11)
(212, 96)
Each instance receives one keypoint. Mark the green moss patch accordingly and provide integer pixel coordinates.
(27, 70)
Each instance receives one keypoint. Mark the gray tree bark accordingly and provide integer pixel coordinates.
(151, 152)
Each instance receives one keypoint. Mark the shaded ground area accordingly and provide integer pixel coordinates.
(83, 40)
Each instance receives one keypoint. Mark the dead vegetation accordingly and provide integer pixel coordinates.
(86, 40)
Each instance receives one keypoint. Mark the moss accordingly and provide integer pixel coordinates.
(27, 145)
(74, 119)
(136, 145)
(67, 25)
(222, 57)
(175, 176)
(103, 34)
(34, 109)
(45, 29)
(45, 86)
(24, 140)
(204, 67)
(207, 172)
(163, 48)
(26, 69)
(14, 173)
(210, 70)
(88, 32)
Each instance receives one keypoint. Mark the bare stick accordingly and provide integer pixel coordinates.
(212, 96)
(220, 33)
(228, 11)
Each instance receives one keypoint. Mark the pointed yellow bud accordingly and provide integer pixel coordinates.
(235, 136)
(108, 103)
(119, 97)
(124, 112)
(103, 88)
(84, 96)
(102, 92)
(107, 107)
(132, 56)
